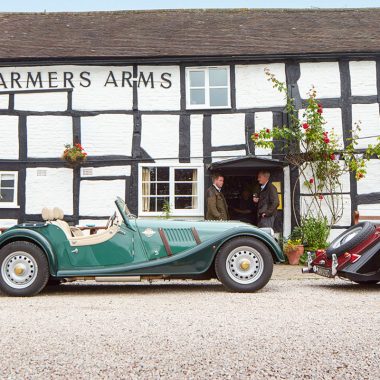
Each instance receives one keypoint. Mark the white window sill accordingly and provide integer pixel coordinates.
(8, 205)
(202, 107)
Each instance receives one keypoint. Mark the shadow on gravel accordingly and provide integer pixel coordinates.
(348, 287)
(143, 289)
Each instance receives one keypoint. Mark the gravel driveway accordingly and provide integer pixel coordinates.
(298, 326)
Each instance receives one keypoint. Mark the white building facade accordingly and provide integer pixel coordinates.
(152, 127)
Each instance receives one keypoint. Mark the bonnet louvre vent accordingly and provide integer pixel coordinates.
(179, 235)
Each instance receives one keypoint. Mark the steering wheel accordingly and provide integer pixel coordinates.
(111, 220)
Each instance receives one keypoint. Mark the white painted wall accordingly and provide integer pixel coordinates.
(369, 210)
(160, 98)
(368, 115)
(4, 102)
(47, 101)
(346, 218)
(107, 134)
(99, 97)
(263, 120)
(53, 190)
(124, 170)
(196, 138)
(9, 137)
(287, 203)
(160, 135)
(254, 90)
(344, 179)
(333, 118)
(363, 78)
(371, 182)
(47, 135)
(324, 76)
(227, 129)
(224, 155)
(97, 198)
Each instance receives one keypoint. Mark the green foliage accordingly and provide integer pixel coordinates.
(315, 232)
(291, 245)
(74, 153)
(166, 210)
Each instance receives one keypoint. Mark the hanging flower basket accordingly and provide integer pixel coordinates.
(74, 154)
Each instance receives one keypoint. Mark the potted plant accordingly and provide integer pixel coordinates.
(293, 250)
(74, 154)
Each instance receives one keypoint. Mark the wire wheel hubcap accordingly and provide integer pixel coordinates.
(244, 265)
(19, 270)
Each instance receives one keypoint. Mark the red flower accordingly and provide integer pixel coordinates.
(320, 105)
(332, 156)
(360, 175)
(319, 110)
(268, 130)
(320, 197)
(256, 135)
(305, 125)
(325, 134)
(326, 140)
(311, 180)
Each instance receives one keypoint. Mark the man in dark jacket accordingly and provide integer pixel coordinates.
(267, 201)
(217, 208)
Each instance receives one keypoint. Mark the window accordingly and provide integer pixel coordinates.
(8, 189)
(178, 185)
(208, 87)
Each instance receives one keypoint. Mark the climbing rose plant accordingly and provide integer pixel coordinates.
(318, 154)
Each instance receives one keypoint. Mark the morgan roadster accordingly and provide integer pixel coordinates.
(129, 249)
(354, 255)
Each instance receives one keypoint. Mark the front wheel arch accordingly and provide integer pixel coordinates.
(244, 248)
(224, 242)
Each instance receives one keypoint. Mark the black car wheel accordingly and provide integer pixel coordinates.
(24, 269)
(350, 238)
(244, 265)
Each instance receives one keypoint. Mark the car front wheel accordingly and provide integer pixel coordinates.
(244, 265)
(24, 269)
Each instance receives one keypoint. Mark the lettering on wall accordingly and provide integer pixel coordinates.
(68, 79)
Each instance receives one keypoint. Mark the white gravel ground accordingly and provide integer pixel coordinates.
(295, 328)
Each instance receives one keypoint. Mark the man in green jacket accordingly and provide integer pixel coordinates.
(217, 208)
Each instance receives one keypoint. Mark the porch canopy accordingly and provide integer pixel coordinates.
(243, 165)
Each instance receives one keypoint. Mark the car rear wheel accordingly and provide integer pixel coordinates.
(244, 265)
(24, 269)
(350, 238)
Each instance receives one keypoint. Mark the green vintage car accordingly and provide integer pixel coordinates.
(34, 254)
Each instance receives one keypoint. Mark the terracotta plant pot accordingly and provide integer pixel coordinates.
(295, 254)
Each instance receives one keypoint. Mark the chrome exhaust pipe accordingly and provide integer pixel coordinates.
(307, 270)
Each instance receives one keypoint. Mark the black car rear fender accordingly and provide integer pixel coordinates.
(366, 267)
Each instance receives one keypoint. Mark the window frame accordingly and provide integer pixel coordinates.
(206, 70)
(199, 211)
(13, 204)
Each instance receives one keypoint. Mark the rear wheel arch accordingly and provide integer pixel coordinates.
(24, 268)
(49, 255)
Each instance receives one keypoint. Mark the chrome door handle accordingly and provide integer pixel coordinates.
(74, 250)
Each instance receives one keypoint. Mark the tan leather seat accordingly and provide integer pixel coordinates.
(55, 216)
